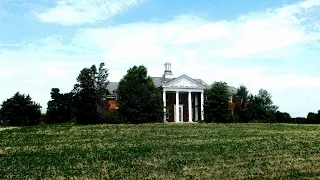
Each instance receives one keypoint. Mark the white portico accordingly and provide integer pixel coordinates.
(183, 97)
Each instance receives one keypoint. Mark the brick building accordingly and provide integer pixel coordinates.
(183, 96)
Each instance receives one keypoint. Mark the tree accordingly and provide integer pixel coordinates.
(90, 95)
(282, 117)
(216, 105)
(317, 119)
(313, 118)
(241, 101)
(265, 99)
(140, 101)
(20, 110)
(261, 107)
(60, 107)
(299, 120)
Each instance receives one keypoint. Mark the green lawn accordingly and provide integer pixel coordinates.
(161, 151)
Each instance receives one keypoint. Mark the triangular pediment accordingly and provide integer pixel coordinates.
(184, 81)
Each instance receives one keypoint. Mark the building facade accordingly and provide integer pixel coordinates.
(183, 96)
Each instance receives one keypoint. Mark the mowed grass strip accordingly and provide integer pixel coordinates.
(161, 151)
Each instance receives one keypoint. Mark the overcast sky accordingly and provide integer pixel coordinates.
(270, 44)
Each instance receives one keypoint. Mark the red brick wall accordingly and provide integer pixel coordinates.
(233, 105)
(112, 104)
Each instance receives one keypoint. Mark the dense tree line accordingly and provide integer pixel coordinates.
(140, 101)
(246, 107)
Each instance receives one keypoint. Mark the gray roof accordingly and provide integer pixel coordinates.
(232, 89)
(202, 82)
(112, 86)
(157, 81)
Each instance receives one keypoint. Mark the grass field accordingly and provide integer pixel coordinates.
(161, 151)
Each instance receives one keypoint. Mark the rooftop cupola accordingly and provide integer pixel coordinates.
(167, 70)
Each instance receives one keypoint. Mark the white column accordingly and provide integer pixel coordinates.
(164, 105)
(190, 106)
(196, 109)
(177, 107)
(202, 103)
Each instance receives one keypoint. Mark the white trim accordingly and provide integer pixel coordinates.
(176, 119)
(165, 88)
(189, 107)
(202, 104)
(187, 78)
(164, 106)
(177, 116)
